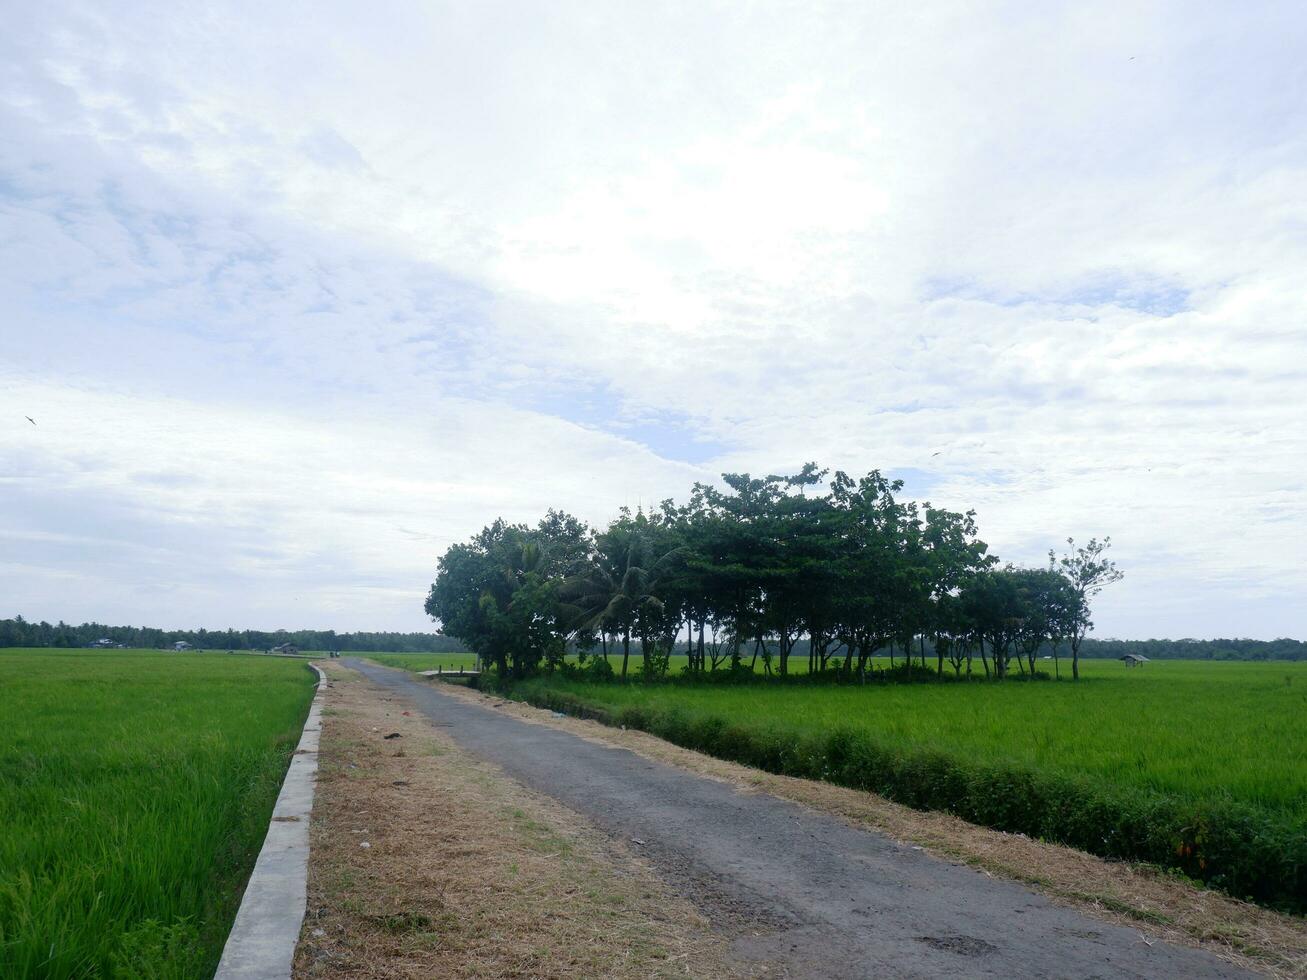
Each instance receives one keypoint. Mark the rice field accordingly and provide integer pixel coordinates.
(421, 661)
(135, 790)
(1233, 731)
(1198, 765)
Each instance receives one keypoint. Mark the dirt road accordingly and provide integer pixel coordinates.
(801, 888)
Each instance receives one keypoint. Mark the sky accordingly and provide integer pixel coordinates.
(296, 295)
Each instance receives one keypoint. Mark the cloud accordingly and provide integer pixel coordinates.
(151, 495)
(350, 286)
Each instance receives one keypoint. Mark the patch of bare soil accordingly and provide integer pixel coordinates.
(428, 862)
(1157, 905)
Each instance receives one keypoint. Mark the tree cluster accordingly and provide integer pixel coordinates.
(840, 569)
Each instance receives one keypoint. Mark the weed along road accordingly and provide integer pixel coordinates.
(799, 889)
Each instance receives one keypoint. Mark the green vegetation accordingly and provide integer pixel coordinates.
(1150, 728)
(135, 790)
(425, 661)
(1200, 767)
(763, 571)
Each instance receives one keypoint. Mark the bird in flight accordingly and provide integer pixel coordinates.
(30, 419)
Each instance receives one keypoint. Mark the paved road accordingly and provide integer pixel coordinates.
(801, 888)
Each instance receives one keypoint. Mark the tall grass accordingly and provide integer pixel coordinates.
(135, 790)
(1202, 766)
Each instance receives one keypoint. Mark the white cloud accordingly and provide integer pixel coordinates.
(372, 269)
(194, 502)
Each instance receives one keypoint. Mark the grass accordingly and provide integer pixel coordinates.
(422, 661)
(1219, 747)
(135, 791)
(1211, 730)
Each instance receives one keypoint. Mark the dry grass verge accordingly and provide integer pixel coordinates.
(1158, 905)
(428, 862)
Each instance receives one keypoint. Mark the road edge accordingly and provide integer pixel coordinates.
(261, 945)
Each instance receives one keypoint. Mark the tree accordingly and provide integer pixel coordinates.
(1047, 606)
(498, 593)
(953, 554)
(616, 591)
(993, 605)
(868, 561)
(770, 561)
(1088, 570)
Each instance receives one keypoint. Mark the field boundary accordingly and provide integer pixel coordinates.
(261, 945)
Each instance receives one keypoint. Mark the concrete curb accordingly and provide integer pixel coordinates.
(262, 942)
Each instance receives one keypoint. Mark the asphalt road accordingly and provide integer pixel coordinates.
(797, 887)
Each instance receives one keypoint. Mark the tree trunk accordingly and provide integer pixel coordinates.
(626, 650)
(864, 651)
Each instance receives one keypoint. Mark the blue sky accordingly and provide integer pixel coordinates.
(299, 295)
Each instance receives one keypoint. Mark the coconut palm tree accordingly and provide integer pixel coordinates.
(618, 593)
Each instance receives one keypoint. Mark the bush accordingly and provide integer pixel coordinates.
(598, 669)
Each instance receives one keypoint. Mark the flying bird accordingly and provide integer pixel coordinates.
(30, 419)
(933, 455)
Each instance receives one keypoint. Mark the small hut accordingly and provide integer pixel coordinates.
(1134, 660)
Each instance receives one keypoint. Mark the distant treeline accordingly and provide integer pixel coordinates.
(18, 632)
(1235, 649)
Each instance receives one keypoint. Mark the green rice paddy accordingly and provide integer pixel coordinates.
(135, 791)
(421, 661)
(1235, 731)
